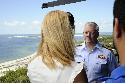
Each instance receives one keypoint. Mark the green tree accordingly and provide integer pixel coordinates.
(18, 76)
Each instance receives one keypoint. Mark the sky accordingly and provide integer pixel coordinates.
(26, 16)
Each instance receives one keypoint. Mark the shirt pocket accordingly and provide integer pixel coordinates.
(101, 67)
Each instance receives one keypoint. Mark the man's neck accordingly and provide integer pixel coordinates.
(121, 50)
(122, 57)
(90, 45)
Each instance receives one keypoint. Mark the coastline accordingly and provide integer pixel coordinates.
(14, 64)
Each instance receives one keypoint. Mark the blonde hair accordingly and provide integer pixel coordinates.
(57, 40)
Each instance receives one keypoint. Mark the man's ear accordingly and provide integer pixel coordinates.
(117, 29)
(97, 34)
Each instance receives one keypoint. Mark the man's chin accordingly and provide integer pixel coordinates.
(88, 41)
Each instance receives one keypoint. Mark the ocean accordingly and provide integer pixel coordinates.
(21, 45)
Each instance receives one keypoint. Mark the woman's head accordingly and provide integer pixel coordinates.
(57, 39)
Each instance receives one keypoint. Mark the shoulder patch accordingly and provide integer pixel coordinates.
(106, 47)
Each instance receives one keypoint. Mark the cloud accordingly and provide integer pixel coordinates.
(14, 23)
(79, 27)
(79, 23)
(36, 22)
(22, 23)
(105, 25)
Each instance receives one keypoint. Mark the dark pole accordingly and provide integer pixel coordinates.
(59, 2)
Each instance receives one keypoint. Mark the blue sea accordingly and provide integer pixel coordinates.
(21, 45)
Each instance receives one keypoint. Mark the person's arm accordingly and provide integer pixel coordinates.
(81, 77)
(112, 62)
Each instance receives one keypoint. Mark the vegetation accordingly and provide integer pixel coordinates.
(18, 76)
(107, 41)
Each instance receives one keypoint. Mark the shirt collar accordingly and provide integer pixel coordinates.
(118, 72)
(98, 45)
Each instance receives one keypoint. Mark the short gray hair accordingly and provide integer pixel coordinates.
(93, 24)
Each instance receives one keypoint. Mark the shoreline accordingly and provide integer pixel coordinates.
(14, 64)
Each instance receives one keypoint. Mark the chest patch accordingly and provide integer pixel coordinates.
(101, 57)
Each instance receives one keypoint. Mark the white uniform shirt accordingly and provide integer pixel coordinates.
(99, 63)
(38, 72)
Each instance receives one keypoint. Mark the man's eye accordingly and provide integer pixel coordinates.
(85, 32)
(92, 32)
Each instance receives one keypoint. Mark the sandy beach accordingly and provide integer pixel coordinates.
(14, 64)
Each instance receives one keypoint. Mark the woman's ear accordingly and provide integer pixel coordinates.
(117, 29)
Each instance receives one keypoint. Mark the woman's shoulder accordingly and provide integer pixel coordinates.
(35, 63)
(76, 69)
(77, 66)
(35, 60)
